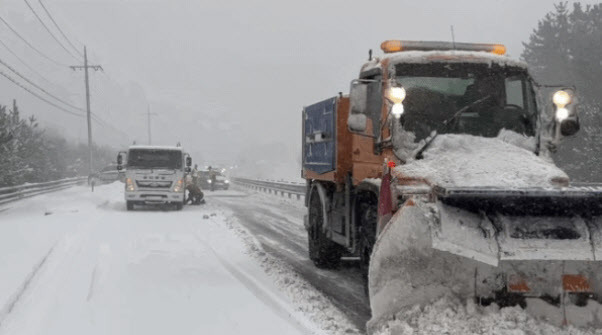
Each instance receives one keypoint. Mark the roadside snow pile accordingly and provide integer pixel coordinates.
(306, 298)
(450, 316)
(471, 161)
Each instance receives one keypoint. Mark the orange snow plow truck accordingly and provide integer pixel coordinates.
(435, 172)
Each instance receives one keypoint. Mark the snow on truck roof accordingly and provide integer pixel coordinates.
(445, 56)
(155, 147)
(453, 56)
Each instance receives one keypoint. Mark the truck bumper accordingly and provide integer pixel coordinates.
(154, 197)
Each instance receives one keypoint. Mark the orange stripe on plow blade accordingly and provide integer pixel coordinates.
(575, 283)
(518, 285)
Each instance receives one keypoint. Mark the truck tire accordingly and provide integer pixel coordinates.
(179, 206)
(366, 211)
(129, 205)
(323, 252)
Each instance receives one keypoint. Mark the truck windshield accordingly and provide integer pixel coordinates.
(154, 159)
(435, 92)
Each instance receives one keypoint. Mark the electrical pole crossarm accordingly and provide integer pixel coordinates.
(81, 67)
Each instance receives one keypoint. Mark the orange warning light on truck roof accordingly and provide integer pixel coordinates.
(390, 46)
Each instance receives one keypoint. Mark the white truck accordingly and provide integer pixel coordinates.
(154, 175)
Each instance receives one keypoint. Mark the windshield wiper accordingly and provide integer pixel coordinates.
(446, 124)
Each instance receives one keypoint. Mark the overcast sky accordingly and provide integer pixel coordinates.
(231, 76)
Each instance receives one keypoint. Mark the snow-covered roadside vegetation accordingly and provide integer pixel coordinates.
(31, 154)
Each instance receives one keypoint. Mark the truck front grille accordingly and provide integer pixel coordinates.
(153, 184)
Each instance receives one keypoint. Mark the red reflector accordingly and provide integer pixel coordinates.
(575, 283)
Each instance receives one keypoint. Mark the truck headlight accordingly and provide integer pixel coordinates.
(227, 181)
(179, 187)
(561, 99)
(396, 94)
(129, 185)
(562, 114)
(209, 181)
(397, 110)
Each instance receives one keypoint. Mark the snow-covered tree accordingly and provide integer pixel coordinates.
(29, 154)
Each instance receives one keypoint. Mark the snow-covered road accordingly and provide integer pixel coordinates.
(75, 262)
(277, 223)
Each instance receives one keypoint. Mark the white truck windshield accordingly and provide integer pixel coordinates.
(154, 159)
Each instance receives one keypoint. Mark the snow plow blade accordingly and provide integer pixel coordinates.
(522, 247)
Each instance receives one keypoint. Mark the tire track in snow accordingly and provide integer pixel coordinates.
(10, 305)
(255, 288)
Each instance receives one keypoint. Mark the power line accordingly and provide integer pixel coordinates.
(38, 87)
(48, 30)
(105, 124)
(24, 63)
(29, 44)
(59, 28)
(38, 96)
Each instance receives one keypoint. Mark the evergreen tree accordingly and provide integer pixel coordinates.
(28, 154)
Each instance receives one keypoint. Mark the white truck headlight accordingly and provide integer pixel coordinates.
(561, 99)
(396, 94)
(397, 110)
(562, 114)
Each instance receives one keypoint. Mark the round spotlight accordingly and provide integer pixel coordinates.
(561, 98)
(562, 114)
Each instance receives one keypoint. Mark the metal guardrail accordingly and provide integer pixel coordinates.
(269, 186)
(13, 193)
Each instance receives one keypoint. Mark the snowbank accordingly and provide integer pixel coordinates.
(307, 299)
(471, 161)
(451, 316)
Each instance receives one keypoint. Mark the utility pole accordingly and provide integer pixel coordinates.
(148, 115)
(89, 117)
(149, 124)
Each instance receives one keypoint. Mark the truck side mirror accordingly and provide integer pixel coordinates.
(358, 97)
(357, 122)
(119, 162)
(188, 161)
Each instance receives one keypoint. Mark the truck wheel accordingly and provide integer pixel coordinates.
(179, 205)
(129, 205)
(367, 217)
(323, 252)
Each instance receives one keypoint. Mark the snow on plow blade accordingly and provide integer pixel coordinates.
(495, 245)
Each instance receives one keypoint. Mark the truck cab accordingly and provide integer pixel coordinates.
(155, 175)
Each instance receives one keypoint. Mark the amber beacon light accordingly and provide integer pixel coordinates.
(390, 46)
